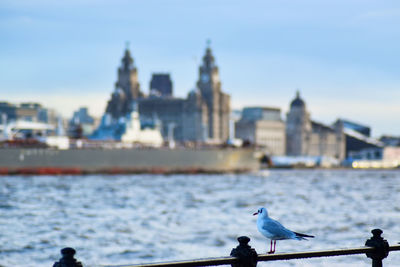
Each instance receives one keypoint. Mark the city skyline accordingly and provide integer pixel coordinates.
(341, 55)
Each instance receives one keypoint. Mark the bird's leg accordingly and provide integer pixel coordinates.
(274, 246)
(270, 249)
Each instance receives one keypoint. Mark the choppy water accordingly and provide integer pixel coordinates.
(148, 218)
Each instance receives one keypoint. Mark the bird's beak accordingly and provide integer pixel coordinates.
(255, 213)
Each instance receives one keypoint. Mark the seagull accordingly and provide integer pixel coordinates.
(274, 230)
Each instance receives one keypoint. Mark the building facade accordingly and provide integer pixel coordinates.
(305, 137)
(29, 111)
(218, 102)
(262, 126)
(168, 110)
(161, 85)
(203, 116)
(81, 123)
(127, 89)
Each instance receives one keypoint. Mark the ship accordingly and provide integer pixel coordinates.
(138, 151)
(50, 161)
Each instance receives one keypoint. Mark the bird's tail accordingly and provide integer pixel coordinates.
(302, 236)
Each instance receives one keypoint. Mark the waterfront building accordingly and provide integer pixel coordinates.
(181, 119)
(362, 129)
(264, 127)
(127, 89)
(28, 111)
(81, 121)
(305, 137)
(82, 116)
(218, 102)
(8, 111)
(168, 110)
(27, 120)
(364, 151)
(390, 140)
(375, 157)
(161, 85)
(203, 116)
(357, 138)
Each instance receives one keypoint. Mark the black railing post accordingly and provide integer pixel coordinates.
(381, 248)
(67, 259)
(247, 256)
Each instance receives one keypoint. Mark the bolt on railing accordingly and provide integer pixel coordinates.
(68, 259)
(243, 255)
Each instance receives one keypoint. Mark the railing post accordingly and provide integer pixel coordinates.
(68, 259)
(381, 248)
(247, 256)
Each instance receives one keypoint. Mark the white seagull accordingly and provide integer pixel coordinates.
(274, 230)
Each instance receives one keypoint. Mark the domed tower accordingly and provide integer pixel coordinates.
(128, 77)
(127, 88)
(218, 103)
(298, 128)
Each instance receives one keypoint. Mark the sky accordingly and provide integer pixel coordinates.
(342, 55)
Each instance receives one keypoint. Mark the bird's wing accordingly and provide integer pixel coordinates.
(277, 229)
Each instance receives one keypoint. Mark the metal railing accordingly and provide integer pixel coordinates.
(243, 255)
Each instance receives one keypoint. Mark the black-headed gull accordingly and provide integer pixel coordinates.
(274, 230)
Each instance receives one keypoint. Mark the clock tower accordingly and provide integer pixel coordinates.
(218, 103)
(127, 88)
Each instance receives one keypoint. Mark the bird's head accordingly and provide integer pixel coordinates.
(262, 211)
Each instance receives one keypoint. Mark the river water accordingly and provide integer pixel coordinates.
(128, 219)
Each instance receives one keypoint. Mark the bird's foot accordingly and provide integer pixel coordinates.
(270, 252)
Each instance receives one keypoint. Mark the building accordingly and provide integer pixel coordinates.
(390, 140)
(203, 116)
(161, 85)
(127, 89)
(28, 120)
(8, 112)
(357, 138)
(218, 102)
(376, 158)
(362, 129)
(28, 111)
(262, 126)
(305, 137)
(168, 110)
(81, 123)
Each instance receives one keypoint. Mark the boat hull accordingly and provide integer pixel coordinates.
(89, 161)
